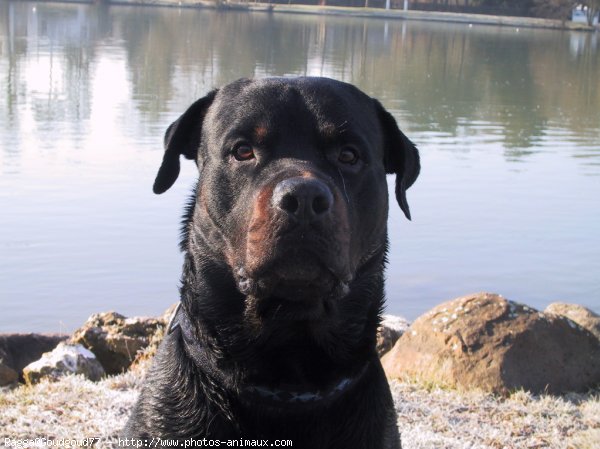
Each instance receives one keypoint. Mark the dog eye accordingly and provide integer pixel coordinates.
(348, 155)
(243, 152)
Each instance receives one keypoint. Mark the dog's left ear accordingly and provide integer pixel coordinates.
(401, 156)
(182, 137)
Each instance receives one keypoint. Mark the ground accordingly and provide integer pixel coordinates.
(429, 416)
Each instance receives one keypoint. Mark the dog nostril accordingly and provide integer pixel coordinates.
(289, 203)
(320, 204)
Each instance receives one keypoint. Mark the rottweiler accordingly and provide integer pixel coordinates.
(285, 242)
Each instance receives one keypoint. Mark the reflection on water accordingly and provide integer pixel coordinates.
(506, 119)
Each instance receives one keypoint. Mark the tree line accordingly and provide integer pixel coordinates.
(551, 9)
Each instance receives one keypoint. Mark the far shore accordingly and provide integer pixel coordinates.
(379, 13)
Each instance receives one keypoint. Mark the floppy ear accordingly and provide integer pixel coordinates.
(401, 156)
(182, 137)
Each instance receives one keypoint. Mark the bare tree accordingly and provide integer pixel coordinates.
(592, 10)
(553, 9)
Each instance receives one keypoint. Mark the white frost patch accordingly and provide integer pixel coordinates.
(396, 323)
(84, 352)
(65, 353)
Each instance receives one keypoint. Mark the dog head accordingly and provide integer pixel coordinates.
(292, 193)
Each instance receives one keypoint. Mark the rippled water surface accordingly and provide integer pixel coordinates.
(507, 121)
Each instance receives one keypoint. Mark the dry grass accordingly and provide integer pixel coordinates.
(440, 418)
(429, 417)
(72, 408)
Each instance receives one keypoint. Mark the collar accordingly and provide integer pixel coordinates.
(280, 396)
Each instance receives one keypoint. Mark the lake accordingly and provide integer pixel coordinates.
(507, 122)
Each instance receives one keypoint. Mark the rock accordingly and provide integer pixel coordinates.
(115, 340)
(582, 316)
(63, 360)
(486, 342)
(145, 355)
(19, 350)
(391, 329)
(7, 375)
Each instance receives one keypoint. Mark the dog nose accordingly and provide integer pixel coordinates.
(306, 199)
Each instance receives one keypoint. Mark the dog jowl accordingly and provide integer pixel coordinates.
(282, 288)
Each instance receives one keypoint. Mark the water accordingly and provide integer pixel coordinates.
(507, 121)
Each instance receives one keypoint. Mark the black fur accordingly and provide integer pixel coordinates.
(283, 291)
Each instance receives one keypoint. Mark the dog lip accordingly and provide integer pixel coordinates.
(264, 281)
(295, 226)
(282, 268)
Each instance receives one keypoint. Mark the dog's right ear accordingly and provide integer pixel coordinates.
(182, 137)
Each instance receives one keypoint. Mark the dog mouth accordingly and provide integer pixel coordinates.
(302, 277)
(283, 296)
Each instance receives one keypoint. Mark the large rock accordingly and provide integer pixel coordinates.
(19, 350)
(147, 354)
(487, 342)
(7, 375)
(582, 316)
(115, 340)
(63, 360)
(391, 329)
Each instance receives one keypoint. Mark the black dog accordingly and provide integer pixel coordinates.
(282, 288)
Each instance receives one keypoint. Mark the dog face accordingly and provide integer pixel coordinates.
(292, 195)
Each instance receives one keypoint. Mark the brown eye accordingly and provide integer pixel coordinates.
(243, 152)
(348, 155)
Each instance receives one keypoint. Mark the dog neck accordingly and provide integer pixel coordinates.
(280, 396)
